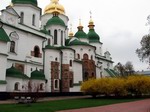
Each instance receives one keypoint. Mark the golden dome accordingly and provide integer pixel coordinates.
(53, 7)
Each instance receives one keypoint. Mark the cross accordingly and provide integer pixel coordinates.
(70, 27)
(90, 14)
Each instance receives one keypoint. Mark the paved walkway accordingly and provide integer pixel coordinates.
(137, 106)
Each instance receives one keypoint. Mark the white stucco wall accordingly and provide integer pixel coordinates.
(50, 55)
(77, 70)
(28, 11)
(2, 87)
(11, 82)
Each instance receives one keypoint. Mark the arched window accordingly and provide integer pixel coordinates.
(71, 83)
(78, 56)
(71, 63)
(36, 51)
(61, 37)
(56, 84)
(12, 46)
(85, 76)
(16, 86)
(41, 86)
(93, 75)
(33, 20)
(56, 59)
(49, 32)
(91, 57)
(85, 56)
(55, 36)
(49, 41)
(22, 17)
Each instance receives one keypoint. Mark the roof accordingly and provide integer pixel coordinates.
(33, 2)
(3, 82)
(77, 42)
(57, 48)
(37, 75)
(55, 20)
(13, 72)
(3, 36)
(111, 72)
(93, 36)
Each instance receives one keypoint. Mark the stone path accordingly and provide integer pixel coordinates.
(137, 106)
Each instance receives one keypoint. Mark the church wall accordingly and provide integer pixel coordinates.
(98, 48)
(11, 82)
(45, 18)
(28, 13)
(81, 50)
(3, 65)
(77, 70)
(3, 47)
(50, 56)
(2, 87)
(59, 29)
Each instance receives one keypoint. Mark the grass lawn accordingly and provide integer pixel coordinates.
(52, 106)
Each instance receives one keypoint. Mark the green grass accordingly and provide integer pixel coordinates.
(52, 106)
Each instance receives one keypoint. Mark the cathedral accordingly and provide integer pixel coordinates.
(38, 52)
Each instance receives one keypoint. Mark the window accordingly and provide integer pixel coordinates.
(91, 57)
(93, 75)
(85, 56)
(78, 56)
(41, 86)
(22, 17)
(71, 83)
(85, 76)
(33, 20)
(49, 41)
(12, 46)
(71, 63)
(56, 84)
(55, 36)
(36, 51)
(56, 59)
(49, 32)
(61, 37)
(16, 86)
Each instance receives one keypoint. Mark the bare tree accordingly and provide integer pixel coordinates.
(129, 68)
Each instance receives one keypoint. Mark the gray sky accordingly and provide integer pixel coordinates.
(119, 23)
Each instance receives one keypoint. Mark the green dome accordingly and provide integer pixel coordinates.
(33, 2)
(37, 75)
(13, 72)
(81, 34)
(55, 20)
(93, 36)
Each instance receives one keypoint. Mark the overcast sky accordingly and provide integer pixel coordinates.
(119, 23)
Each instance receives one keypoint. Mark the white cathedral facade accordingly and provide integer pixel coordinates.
(38, 54)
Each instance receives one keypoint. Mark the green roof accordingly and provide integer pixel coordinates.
(33, 2)
(3, 82)
(78, 42)
(37, 75)
(93, 36)
(13, 72)
(110, 72)
(67, 41)
(81, 34)
(55, 20)
(3, 35)
(57, 48)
